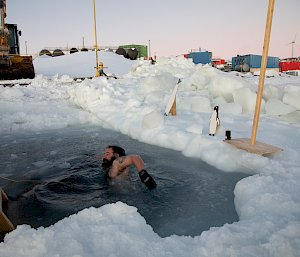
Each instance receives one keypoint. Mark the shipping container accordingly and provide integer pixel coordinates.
(200, 57)
(251, 62)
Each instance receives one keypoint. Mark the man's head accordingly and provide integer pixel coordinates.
(111, 153)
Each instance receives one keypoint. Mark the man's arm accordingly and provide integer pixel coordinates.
(145, 177)
(126, 161)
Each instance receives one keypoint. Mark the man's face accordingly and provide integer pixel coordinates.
(108, 158)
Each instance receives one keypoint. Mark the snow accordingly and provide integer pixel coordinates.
(276, 107)
(268, 202)
(79, 64)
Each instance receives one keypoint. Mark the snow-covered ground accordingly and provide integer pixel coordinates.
(268, 202)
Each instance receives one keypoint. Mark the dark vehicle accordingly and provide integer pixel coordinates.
(12, 64)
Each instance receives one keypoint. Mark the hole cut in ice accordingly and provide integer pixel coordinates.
(191, 195)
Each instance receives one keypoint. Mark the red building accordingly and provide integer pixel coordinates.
(289, 64)
(216, 62)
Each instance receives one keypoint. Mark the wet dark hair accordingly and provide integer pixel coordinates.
(117, 149)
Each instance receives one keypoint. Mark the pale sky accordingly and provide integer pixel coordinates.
(173, 27)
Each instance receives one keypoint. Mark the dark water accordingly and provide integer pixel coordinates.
(58, 175)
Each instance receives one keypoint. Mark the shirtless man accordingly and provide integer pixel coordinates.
(116, 163)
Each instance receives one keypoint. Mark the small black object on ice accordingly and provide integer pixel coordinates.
(228, 134)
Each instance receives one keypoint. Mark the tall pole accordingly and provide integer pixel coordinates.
(26, 47)
(262, 70)
(149, 50)
(95, 36)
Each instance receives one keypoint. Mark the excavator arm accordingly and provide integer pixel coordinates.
(4, 48)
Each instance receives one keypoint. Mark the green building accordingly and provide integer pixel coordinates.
(142, 50)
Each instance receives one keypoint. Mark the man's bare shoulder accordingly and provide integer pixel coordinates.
(124, 161)
(121, 159)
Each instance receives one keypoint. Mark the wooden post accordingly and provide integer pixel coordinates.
(5, 223)
(171, 105)
(251, 145)
(262, 70)
(173, 108)
(95, 37)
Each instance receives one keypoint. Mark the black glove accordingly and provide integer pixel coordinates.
(147, 179)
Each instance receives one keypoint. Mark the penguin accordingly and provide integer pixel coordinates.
(214, 121)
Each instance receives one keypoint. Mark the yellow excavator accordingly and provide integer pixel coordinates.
(12, 64)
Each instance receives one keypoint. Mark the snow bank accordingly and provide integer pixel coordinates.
(118, 230)
(81, 64)
(276, 107)
(292, 96)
